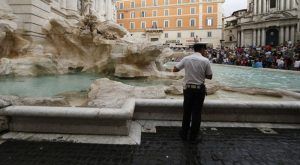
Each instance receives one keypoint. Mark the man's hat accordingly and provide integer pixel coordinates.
(199, 46)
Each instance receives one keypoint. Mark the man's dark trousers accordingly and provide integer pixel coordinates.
(192, 105)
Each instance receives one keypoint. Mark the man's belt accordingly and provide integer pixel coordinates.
(193, 86)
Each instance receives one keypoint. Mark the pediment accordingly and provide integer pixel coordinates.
(274, 16)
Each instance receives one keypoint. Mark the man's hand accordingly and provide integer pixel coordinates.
(175, 69)
(208, 77)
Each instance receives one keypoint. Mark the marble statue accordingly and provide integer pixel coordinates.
(88, 7)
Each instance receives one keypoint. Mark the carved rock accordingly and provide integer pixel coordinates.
(112, 94)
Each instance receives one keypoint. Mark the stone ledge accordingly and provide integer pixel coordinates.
(222, 111)
(70, 120)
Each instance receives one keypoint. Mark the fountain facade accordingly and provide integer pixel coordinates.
(82, 38)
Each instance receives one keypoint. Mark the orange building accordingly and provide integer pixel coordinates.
(173, 22)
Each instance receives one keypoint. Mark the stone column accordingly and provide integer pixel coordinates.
(263, 37)
(293, 4)
(281, 35)
(254, 7)
(254, 37)
(100, 9)
(259, 6)
(71, 5)
(108, 9)
(288, 4)
(242, 38)
(287, 33)
(282, 4)
(293, 34)
(258, 37)
(264, 6)
(238, 39)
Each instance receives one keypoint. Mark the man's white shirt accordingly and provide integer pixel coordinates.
(196, 68)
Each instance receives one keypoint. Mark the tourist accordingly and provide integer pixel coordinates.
(297, 64)
(258, 64)
(197, 68)
(280, 63)
(270, 56)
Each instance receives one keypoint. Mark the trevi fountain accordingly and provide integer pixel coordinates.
(96, 63)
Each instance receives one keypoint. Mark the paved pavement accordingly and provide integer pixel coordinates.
(234, 146)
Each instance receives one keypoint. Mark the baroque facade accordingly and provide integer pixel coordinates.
(269, 22)
(177, 23)
(230, 28)
(32, 15)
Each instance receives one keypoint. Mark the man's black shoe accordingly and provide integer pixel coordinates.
(182, 135)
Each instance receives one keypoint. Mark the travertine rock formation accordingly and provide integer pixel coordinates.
(86, 46)
(11, 44)
(112, 94)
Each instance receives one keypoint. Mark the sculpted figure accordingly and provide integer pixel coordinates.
(87, 8)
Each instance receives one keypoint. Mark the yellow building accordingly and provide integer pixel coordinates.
(173, 22)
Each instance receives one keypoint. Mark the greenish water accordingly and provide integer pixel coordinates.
(256, 78)
(226, 75)
(47, 86)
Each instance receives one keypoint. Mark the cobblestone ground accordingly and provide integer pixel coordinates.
(237, 146)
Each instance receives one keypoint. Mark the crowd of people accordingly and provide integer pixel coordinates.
(285, 56)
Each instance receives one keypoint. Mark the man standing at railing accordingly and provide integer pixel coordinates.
(197, 68)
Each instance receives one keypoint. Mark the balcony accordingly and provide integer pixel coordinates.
(154, 30)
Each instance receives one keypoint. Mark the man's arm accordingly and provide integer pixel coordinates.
(208, 72)
(179, 66)
(175, 69)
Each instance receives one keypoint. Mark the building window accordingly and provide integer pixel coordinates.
(178, 35)
(132, 4)
(143, 25)
(154, 2)
(230, 38)
(272, 3)
(209, 34)
(154, 13)
(132, 25)
(179, 11)
(209, 9)
(193, 10)
(143, 3)
(179, 23)
(143, 14)
(209, 21)
(154, 24)
(208, 0)
(166, 23)
(166, 12)
(192, 1)
(166, 35)
(121, 5)
(192, 34)
(193, 22)
(179, 1)
(121, 16)
(132, 15)
(166, 2)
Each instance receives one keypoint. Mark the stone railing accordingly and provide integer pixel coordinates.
(71, 120)
(109, 121)
(222, 111)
